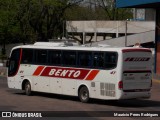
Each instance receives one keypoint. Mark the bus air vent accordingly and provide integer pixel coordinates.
(107, 89)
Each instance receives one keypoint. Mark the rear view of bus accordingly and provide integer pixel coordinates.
(136, 73)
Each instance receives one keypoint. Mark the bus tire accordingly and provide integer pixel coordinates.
(28, 88)
(83, 94)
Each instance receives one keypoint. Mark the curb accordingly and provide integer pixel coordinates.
(157, 81)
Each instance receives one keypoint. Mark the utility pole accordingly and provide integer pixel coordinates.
(64, 24)
(125, 33)
(84, 38)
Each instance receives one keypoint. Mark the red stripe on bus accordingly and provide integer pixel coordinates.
(136, 59)
(136, 50)
(38, 70)
(92, 74)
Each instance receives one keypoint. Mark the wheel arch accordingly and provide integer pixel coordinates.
(83, 85)
(24, 82)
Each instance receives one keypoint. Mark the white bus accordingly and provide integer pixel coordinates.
(107, 73)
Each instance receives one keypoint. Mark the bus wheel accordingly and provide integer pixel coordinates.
(28, 88)
(83, 94)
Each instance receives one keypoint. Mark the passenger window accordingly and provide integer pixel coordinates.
(27, 56)
(69, 58)
(54, 57)
(110, 60)
(98, 60)
(84, 59)
(40, 56)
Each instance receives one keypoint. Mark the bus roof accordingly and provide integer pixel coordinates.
(68, 46)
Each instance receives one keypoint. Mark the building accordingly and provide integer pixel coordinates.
(147, 14)
(96, 31)
(147, 4)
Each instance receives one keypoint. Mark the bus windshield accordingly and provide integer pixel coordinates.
(14, 62)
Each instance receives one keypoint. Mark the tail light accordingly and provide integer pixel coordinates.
(120, 85)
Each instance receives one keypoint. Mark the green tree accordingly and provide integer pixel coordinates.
(8, 26)
(32, 20)
(44, 17)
